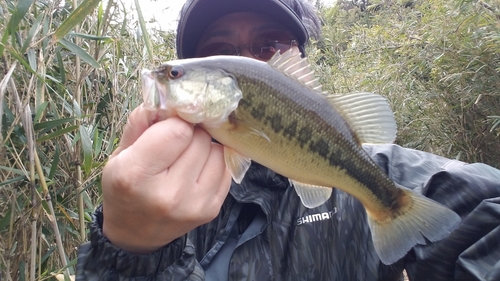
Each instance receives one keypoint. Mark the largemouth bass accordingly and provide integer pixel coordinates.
(275, 114)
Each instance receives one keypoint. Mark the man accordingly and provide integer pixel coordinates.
(172, 213)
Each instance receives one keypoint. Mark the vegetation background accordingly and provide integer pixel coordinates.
(70, 77)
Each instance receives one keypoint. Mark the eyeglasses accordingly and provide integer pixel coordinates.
(263, 47)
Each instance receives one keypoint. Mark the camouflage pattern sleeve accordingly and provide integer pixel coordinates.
(472, 251)
(98, 259)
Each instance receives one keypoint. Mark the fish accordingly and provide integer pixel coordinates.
(275, 113)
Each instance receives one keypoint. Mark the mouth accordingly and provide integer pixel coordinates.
(154, 92)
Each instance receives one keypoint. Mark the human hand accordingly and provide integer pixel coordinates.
(163, 180)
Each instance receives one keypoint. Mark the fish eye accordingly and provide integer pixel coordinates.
(175, 72)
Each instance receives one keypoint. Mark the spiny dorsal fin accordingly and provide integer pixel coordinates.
(294, 66)
(368, 114)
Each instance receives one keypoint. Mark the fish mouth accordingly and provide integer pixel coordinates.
(154, 92)
(157, 96)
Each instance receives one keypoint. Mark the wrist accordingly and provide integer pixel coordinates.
(111, 257)
(129, 238)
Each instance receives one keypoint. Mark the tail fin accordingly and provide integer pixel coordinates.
(425, 218)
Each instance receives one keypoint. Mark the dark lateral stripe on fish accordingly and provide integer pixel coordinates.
(313, 141)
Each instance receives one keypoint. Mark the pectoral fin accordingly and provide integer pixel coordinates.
(312, 195)
(244, 127)
(236, 163)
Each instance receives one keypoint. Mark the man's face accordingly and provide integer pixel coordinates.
(246, 34)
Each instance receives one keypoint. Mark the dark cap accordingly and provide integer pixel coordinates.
(197, 15)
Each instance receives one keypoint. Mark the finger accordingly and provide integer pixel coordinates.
(215, 171)
(139, 121)
(216, 180)
(191, 162)
(225, 183)
(160, 145)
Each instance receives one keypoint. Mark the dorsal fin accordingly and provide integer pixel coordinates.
(296, 67)
(368, 114)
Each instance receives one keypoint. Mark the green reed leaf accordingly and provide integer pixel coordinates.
(19, 13)
(39, 112)
(17, 16)
(97, 143)
(144, 30)
(5, 221)
(87, 149)
(76, 17)
(55, 162)
(14, 171)
(79, 52)
(91, 37)
(52, 123)
(57, 133)
(12, 181)
(35, 28)
(60, 65)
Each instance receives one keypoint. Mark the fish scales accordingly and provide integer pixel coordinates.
(301, 122)
(274, 114)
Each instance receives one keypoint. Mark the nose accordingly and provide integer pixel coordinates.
(246, 52)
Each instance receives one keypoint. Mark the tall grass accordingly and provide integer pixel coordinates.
(438, 62)
(71, 77)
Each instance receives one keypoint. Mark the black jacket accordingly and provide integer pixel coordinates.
(330, 242)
